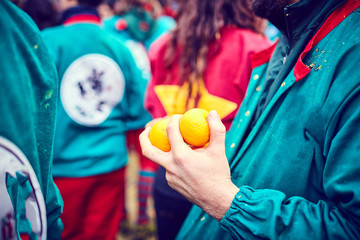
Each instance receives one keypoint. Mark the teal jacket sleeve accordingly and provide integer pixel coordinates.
(270, 214)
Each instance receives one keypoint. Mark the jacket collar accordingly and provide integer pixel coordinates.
(306, 16)
(301, 70)
(302, 20)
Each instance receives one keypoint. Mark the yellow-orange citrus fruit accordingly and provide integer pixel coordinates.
(158, 136)
(194, 127)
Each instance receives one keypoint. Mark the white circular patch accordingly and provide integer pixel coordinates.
(12, 160)
(91, 87)
(138, 51)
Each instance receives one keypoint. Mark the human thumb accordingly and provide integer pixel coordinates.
(217, 130)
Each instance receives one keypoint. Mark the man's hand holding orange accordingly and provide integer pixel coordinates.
(202, 175)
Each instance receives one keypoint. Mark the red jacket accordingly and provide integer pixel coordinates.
(225, 78)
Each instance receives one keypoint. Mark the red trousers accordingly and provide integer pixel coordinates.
(93, 206)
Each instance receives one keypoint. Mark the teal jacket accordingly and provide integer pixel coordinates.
(297, 166)
(30, 204)
(101, 96)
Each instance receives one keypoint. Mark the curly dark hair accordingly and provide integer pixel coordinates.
(199, 23)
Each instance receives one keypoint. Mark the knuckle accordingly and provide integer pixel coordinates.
(145, 152)
(219, 129)
(170, 126)
(171, 185)
(168, 177)
(142, 135)
(179, 155)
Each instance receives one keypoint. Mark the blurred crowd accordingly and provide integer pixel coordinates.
(100, 72)
(137, 24)
(90, 155)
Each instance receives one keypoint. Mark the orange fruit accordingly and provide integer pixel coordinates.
(194, 127)
(158, 136)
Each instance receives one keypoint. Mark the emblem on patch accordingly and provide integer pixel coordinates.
(14, 165)
(90, 88)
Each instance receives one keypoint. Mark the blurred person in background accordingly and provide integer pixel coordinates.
(19, 3)
(138, 25)
(272, 32)
(42, 12)
(170, 7)
(204, 63)
(106, 9)
(138, 20)
(101, 98)
(30, 203)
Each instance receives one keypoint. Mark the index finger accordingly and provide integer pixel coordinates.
(152, 122)
(217, 132)
(173, 131)
(152, 152)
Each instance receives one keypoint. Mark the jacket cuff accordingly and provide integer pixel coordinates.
(231, 221)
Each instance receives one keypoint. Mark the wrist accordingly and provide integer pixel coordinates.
(220, 201)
